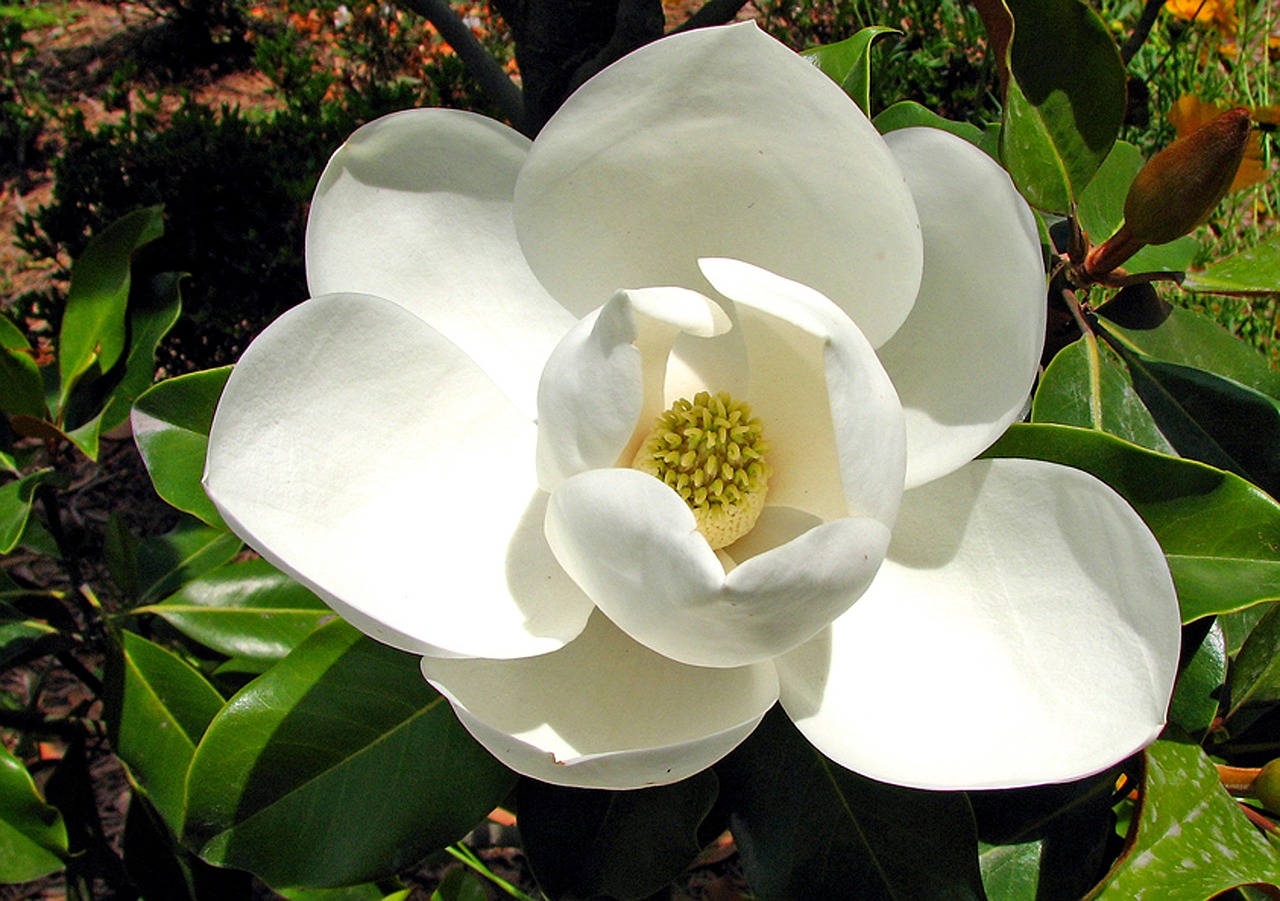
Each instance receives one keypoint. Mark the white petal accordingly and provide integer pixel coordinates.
(605, 380)
(1023, 630)
(965, 360)
(361, 452)
(605, 712)
(631, 543)
(416, 207)
(718, 142)
(830, 413)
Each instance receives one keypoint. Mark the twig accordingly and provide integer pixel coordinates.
(495, 82)
(1141, 30)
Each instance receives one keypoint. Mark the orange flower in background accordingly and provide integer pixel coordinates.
(1189, 112)
(1220, 14)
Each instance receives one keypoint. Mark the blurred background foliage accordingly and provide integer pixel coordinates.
(235, 181)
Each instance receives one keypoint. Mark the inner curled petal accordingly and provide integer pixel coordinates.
(711, 451)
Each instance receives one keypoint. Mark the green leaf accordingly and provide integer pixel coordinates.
(1048, 841)
(339, 765)
(460, 885)
(623, 844)
(158, 707)
(94, 322)
(807, 828)
(171, 426)
(1195, 698)
(150, 319)
(1220, 534)
(32, 834)
(1191, 339)
(187, 552)
(1101, 210)
(909, 114)
(161, 868)
(1010, 872)
(1085, 385)
(1192, 841)
(848, 63)
(1252, 271)
(364, 892)
(21, 386)
(1239, 624)
(1254, 685)
(1212, 419)
(20, 634)
(1065, 102)
(16, 498)
(247, 609)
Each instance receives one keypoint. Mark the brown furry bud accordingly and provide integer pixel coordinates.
(1176, 190)
(1181, 185)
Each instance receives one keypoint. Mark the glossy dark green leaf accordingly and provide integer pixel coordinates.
(1101, 210)
(364, 892)
(622, 844)
(94, 330)
(248, 609)
(1237, 625)
(338, 766)
(190, 550)
(1010, 872)
(1065, 101)
(848, 63)
(19, 634)
(1212, 419)
(158, 709)
(1255, 270)
(32, 834)
(1195, 698)
(1220, 534)
(1045, 842)
(1191, 339)
(460, 885)
(171, 426)
(1085, 385)
(1192, 841)
(909, 114)
(21, 387)
(150, 318)
(807, 828)
(161, 868)
(1254, 686)
(16, 498)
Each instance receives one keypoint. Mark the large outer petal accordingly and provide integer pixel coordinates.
(416, 207)
(1023, 629)
(718, 142)
(605, 712)
(365, 455)
(965, 360)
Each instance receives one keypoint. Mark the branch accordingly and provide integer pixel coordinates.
(493, 80)
(1141, 30)
(713, 12)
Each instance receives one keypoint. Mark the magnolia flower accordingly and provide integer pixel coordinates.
(711, 269)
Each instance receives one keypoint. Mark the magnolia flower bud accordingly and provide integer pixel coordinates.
(1266, 787)
(1177, 189)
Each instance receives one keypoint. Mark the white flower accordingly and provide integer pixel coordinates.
(710, 213)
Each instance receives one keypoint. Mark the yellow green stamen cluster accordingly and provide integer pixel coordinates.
(711, 452)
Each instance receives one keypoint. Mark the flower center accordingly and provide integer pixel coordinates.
(711, 451)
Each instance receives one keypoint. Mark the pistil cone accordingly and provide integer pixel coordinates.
(1176, 190)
